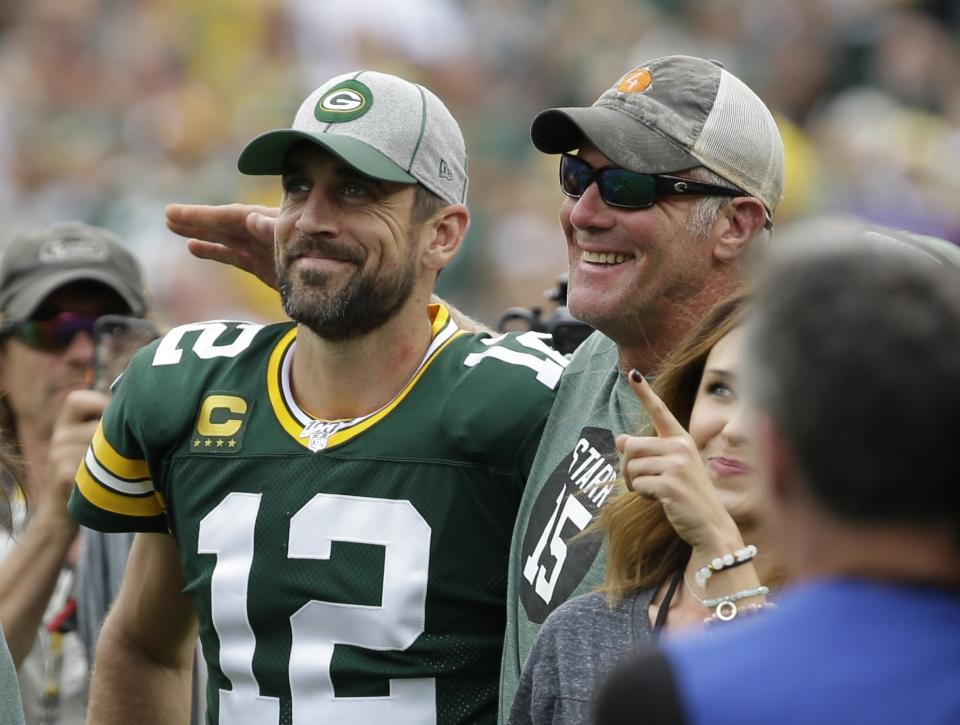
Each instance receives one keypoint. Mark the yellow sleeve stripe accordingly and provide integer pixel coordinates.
(117, 503)
(129, 468)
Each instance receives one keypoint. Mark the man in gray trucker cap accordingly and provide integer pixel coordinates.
(697, 174)
(340, 489)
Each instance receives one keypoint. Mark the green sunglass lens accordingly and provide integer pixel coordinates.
(628, 188)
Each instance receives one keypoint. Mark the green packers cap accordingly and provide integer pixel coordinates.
(671, 114)
(384, 126)
(35, 264)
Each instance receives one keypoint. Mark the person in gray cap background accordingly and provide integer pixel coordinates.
(54, 284)
(669, 179)
(330, 500)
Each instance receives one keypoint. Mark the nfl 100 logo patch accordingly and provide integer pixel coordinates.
(319, 431)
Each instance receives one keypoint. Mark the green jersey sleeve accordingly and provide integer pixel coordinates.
(120, 483)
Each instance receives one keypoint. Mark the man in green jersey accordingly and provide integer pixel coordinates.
(329, 501)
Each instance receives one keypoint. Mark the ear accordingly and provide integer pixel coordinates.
(742, 219)
(444, 233)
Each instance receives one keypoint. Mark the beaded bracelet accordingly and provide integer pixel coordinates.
(727, 561)
(760, 591)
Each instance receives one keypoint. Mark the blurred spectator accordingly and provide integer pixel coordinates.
(54, 284)
(859, 463)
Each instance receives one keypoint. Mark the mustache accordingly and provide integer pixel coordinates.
(305, 246)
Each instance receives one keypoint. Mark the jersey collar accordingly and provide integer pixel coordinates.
(321, 434)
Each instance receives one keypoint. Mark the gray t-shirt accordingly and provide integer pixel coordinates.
(573, 476)
(577, 647)
(11, 711)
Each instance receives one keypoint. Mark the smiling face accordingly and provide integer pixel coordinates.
(346, 249)
(719, 428)
(628, 265)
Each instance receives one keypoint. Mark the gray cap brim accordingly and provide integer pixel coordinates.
(267, 153)
(26, 297)
(620, 138)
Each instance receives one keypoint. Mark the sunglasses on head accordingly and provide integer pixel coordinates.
(630, 189)
(53, 334)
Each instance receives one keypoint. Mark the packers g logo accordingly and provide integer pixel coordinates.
(221, 422)
(344, 102)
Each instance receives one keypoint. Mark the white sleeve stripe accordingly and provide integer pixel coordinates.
(118, 485)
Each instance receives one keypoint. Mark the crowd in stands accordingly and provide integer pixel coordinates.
(110, 109)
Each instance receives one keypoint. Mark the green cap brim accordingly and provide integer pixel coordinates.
(267, 153)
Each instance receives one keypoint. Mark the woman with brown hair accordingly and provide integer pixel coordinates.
(11, 710)
(684, 544)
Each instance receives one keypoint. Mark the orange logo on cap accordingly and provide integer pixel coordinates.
(635, 81)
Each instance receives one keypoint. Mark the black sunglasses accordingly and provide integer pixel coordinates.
(630, 189)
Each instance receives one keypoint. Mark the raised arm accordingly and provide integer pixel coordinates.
(667, 467)
(29, 574)
(237, 234)
(144, 658)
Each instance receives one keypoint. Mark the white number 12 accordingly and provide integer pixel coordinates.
(318, 626)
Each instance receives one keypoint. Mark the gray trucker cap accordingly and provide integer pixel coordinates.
(675, 113)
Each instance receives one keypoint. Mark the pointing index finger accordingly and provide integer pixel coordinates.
(663, 420)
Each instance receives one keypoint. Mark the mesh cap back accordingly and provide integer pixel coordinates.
(741, 142)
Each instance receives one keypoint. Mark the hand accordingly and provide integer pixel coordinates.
(72, 434)
(237, 234)
(667, 467)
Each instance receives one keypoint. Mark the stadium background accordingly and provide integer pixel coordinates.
(109, 109)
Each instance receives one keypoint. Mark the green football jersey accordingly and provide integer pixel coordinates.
(347, 571)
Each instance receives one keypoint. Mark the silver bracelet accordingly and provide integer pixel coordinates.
(760, 591)
(727, 561)
(727, 611)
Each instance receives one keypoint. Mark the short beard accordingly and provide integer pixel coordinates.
(362, 306)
